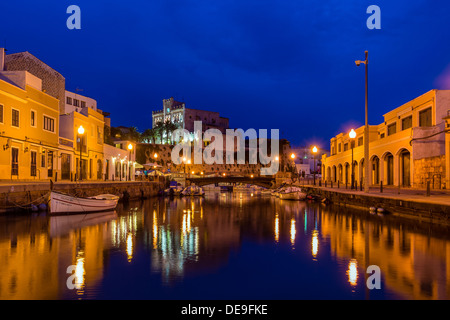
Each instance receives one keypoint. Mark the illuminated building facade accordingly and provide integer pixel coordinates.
(408, 149)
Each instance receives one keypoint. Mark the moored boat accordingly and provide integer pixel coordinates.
(173, 191)
(292, 193)
(65, 203)
(193, 191)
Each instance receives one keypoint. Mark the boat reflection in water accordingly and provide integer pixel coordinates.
(235, 245)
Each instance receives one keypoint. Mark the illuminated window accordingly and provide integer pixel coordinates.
(407, 123)
(360, 141)
(33, 118)
(425, 118)
(49, 124)
(15, 118)
(392, 128)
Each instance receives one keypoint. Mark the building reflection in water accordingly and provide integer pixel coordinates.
(187, 236)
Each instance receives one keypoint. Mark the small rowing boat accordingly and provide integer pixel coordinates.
(193, 191)
(65, 203)
(292, 193)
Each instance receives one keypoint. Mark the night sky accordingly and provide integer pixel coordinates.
(285, 65)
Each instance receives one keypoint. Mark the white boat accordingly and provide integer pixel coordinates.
(193, 191)
(292, 193)
(64, 203)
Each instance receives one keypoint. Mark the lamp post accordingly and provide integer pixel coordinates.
(130, 147)
(366, 129)
(352, 135)
(314, 150)
(80, 135)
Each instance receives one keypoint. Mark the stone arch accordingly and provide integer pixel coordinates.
(375, 170)
(347, 172)
(405, 167)
(388, 168)
(340, 172)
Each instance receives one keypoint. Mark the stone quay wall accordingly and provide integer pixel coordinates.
(20, 197)
(422, 210)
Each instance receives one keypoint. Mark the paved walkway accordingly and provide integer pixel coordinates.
(418, 195)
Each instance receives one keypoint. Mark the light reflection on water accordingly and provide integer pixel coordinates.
(226, 245)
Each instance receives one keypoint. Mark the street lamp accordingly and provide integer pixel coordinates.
(130, 147)
(352, 135)
(366, 129)
(80, 134)
(314, 150)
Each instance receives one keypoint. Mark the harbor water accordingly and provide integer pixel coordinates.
(225, 245)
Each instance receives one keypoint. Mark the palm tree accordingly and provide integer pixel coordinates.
(169, 127)
(159, 131)
(149, 136)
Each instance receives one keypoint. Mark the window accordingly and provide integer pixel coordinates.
(382, 136)
(99, 135)
(83, 104)
(407, 123)
(75, 102)
(69, 100)
(33, 118)
(33, 163)
(360, 141)
(49, 124)
(425, 118)
(43, 160)
(1, 113)
(345, 146)
(14, 161)
(15, 118)
(392, 128)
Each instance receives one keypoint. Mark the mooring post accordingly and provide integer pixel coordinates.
(381, 186)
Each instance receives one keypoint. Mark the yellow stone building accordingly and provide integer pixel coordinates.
(29, 128)
(408, 149)
(39, 123)
(85, 144)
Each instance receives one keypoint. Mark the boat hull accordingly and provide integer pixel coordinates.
(63, 203)
(293, 196)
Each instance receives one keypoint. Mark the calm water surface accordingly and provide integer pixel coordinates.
(224, 246)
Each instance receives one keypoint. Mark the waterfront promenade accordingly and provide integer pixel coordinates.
(409, 202)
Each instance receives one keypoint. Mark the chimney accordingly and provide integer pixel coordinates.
(2, 59)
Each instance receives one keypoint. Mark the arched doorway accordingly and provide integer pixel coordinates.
(405, 168)
(375, 170)
(361, 171)
(334, 176)
(340, 172)
(347, 173)
(389, 166)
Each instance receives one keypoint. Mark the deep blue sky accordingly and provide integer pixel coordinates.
(267, 64)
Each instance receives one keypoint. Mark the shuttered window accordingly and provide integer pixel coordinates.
(425, 118)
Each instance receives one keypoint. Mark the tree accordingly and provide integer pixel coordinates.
(149, 136)
(169, 127)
